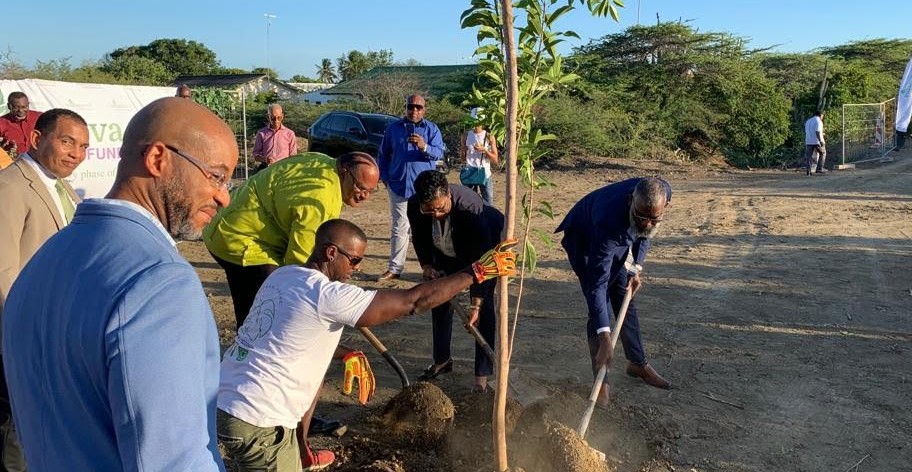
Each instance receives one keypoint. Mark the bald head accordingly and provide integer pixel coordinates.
(358, 176)
(176, 161)
(338, 231)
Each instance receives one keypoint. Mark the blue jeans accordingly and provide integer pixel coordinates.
(486, 191)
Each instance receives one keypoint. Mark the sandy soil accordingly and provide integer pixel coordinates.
(777, 304)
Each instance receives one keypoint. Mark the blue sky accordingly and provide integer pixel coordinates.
(306, 31)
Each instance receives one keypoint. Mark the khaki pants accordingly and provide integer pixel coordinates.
(252, 448)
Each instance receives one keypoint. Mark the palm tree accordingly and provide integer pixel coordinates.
(326, 72)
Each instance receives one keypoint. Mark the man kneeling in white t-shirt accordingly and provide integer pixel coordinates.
(271, 375)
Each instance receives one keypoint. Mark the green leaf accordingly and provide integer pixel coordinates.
(530, 256)
(546, 209)
(559, 12)
(544, 237)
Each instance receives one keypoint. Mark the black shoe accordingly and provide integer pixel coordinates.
(433, 371)
(320, 426)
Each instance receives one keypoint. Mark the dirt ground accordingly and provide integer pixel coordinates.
(777, 304)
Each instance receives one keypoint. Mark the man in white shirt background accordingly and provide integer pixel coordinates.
(815, 145)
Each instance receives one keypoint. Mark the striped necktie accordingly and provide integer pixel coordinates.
(65, 202)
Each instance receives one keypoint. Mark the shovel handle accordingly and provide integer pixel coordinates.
(603, 370)
(374, 341)
(460, 311)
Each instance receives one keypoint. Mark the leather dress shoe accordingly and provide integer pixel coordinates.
(387, 276)
(648, 374)
(433, 371)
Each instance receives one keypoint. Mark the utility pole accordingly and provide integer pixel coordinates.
(638, 12)
(269, 19)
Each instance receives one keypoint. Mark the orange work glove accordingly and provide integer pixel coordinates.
(498, 262)
(356, 366)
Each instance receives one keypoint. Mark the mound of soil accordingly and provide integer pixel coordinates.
(420, 415)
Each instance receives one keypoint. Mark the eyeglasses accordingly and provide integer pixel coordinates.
(646, 219)
(216, 178)
(360, 189)
(352, 260)
(438, 210)
(414, 106)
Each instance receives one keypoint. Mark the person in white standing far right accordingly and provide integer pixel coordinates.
(815, 145)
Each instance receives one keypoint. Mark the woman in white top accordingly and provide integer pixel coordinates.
(478, 149)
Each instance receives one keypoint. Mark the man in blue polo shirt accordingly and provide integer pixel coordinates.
(605, 229)
(410, 146)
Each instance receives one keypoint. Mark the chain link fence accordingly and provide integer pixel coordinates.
(868, 131)
(230, 106)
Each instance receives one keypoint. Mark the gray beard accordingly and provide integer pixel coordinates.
(648, 234)
(178, 210)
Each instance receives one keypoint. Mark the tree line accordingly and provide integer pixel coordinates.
(653, 90)
(660, 91)
(162, 60)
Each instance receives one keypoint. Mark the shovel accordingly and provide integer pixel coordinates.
(603, 371)
(473, 330)
(386, 354)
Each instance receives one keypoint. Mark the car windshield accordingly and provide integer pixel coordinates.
(377, 124)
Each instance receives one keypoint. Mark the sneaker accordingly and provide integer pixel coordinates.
(316, 459)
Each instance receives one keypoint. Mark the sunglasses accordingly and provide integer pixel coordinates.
(352, 260)
(646, 219)
(414, 106)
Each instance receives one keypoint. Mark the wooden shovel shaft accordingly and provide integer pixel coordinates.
(603, 370)
(374, 341)
(460, 311)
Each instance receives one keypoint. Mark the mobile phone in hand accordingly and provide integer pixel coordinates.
(410, 130)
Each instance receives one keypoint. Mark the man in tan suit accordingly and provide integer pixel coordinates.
(35, 203)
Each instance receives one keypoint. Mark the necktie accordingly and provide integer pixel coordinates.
(65, 202)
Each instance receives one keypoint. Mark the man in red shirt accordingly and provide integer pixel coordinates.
(17, 125)
(274, 142)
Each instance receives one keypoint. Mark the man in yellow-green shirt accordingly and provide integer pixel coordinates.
(273, 218)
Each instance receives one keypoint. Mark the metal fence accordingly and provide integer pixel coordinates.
(231, 107)
(868, 133)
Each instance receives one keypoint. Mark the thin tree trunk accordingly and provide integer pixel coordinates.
(503, 301)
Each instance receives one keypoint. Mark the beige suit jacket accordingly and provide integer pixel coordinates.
(28, 217)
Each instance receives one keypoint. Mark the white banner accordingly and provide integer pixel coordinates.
(106, 108)
(904, 100)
